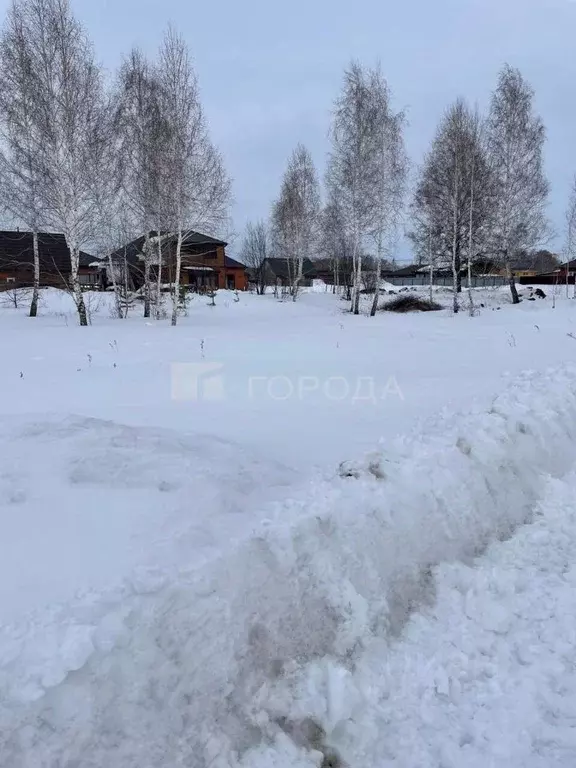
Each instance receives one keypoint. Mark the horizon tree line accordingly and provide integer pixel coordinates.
(480, 194)
(102, 164)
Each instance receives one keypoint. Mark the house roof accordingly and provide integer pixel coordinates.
(523, 264)
(133, 249)
(279, 268)
(16, 252)
(409, 271)
(233, 264)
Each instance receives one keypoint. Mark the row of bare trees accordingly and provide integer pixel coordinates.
(365, 182)
(100, 165)
(481, 192)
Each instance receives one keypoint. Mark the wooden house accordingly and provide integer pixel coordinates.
(17, 261)
(205, 265)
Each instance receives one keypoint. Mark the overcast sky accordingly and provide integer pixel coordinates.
(270, 69)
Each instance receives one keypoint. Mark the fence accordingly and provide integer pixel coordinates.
(491, 281)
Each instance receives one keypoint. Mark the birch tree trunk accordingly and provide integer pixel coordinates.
(36, 287)
(176, 296)
(290, 278)
(117, 297)
(470, 297)
(511, 279)
(159, 279)
(470, 246)
(76, 287)
(358, 283)
(298, 278)
(357, 270)
(147, 286)
(430, 262)
(378, 276)
(354, 275)
(455, 265)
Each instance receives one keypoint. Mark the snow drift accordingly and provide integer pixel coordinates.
(166, 669)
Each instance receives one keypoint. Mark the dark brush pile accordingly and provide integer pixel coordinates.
(411, 304)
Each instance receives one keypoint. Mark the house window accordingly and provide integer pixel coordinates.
(10, 279)
(88, 279)
(230, 282)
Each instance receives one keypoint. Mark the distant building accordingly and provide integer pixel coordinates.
(205, 265)
(17, 261)
(281, 272)
(564, 272)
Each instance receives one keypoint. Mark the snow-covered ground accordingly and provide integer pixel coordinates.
(185, 579)
(299, 379)
(483, 675)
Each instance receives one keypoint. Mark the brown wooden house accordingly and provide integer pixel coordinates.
(17, 261)
(205, 265)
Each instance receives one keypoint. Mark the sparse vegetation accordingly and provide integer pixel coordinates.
(411, 303)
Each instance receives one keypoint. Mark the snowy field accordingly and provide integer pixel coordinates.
(186, 579)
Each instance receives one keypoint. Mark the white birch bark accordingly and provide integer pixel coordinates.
(470, 246)
(178, 268)
(116, 290)
(159, 277)
(455, 276)
(147, 281)
(376, 298)
(75, 284)
(36, 284)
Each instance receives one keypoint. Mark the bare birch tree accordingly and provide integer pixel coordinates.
(296, 215)
(141, 130)
(72, 119)
(335, 244)
(351, 166)
(198, 193)
(391, 165)
(453, 198)
(255, 252)
(516, 137)
(21, 134)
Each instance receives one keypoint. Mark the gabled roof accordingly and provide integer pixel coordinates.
(17, 253)
(280, 268)
(133, 249)
(233, 264)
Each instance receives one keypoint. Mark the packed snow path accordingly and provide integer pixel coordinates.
(485, 677)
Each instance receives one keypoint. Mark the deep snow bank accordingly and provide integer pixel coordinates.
(484, 676)
(165, 670)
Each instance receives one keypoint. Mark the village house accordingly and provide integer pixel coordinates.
(562, 274)
(205, 265)
(280, 273)
(17, 261)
